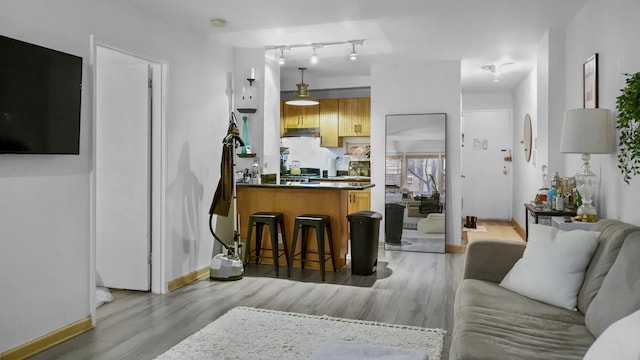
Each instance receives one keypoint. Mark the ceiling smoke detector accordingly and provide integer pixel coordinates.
(217, 22)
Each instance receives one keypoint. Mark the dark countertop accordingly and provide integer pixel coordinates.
(342, 178)
(314, 185)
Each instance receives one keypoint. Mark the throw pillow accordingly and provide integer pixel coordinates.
(552, 266)
(619, 341)
(619, 294)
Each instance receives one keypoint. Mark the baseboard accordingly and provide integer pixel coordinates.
(518, 229)
(187, 279)
(455, 248)
(49, 340)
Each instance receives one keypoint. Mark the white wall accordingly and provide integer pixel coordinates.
(290, 79)
(609, 28)
(44, 213)
(271, 156)
(487, 101)
(527, 177)
(435, 88)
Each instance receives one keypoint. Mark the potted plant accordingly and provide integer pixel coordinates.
(434, 185)
(628, 123)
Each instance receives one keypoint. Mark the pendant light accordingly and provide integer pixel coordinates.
(302, 97)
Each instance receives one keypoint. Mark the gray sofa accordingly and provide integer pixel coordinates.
(491, 322)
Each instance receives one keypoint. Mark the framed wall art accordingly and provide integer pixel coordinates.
(590, 82)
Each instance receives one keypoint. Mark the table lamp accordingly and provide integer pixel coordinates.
(586, 132)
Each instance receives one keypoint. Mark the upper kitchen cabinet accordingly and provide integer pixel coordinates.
(354, 117)
(298, 117)
(329, 123)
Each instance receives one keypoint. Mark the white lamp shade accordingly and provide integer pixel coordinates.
(587, 131)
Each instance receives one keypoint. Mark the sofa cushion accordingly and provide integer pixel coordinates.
(619, 341)
(612, 235)
(494, 323)
(553, 265)
(432, 224)
(483, 294)
(619, 294)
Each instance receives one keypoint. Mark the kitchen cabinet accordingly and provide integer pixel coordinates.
(354, 117)
(329, 123)
(359, 200)
(298, 117)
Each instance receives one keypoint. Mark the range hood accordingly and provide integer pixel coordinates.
(302, 132)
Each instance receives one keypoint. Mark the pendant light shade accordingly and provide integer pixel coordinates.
(301, 96)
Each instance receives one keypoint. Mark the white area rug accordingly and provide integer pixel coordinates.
(478, 228)
(249, 333)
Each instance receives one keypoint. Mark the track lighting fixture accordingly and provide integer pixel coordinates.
(353, 55)
(314, 58)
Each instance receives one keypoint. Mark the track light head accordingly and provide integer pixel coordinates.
(353, 56)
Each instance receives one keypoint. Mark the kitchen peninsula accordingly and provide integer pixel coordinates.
(297, 198)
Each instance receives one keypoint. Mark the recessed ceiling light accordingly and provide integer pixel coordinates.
(217, 22)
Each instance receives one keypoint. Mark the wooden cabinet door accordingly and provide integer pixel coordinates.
(310, 116)
(292, 116)
(354, 117)
(301, 116)
(329, 123)
(359, 200)
(364, 117)
(347, 116)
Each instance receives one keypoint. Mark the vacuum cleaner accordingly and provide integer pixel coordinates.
(228, 265)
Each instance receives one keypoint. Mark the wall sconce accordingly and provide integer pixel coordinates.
(247, 100)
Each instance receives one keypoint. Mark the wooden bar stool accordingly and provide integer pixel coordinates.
(320, 223)
(271, 219)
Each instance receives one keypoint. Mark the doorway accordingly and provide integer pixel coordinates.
(128, 175)
(486, 164)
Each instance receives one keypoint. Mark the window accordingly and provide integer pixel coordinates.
(394, 171)
(419, 173)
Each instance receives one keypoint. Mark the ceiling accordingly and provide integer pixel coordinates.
(476, 32)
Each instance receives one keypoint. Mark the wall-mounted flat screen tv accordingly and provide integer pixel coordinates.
(40, 91)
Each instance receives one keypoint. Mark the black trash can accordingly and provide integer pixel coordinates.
(365, 229)
(393, 219)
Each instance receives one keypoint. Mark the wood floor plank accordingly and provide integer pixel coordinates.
(409, 288)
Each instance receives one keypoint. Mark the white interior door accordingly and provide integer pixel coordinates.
(486, 174)
(123, 188)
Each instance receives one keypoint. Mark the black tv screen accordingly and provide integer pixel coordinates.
(40, 91)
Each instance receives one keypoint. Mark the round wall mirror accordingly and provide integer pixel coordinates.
(527, 137)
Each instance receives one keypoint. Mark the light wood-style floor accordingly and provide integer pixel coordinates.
(500, 229)
(409, 288)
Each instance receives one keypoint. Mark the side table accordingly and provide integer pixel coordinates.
(537, 212)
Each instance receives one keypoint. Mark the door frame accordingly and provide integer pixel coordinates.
(158, 173)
